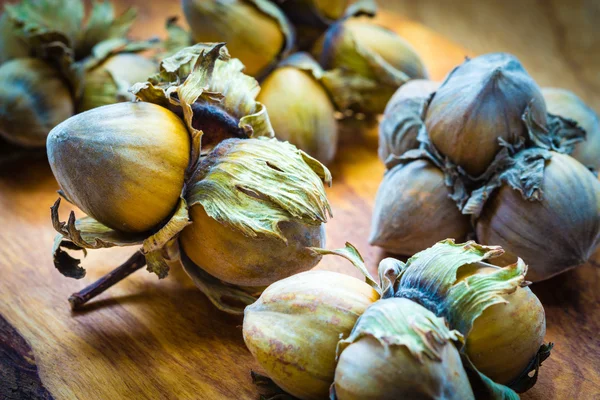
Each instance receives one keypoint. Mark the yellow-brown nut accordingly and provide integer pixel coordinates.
(33, 99)
(553, 234)
(300, 110)
(506, 337)
(413, 210)
(294, 327)
(235, 258)
(479, 104)
(251, 34)
(122, 164)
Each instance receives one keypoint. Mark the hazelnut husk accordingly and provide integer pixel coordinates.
(399, 349)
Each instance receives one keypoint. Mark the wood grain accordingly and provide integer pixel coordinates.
(146, 338)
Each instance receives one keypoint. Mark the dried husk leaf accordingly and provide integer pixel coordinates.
(413, 210)
(87, 233)
(256, 31)
(554, 223)
(479, 106)
(294, 327)
(566, 104)
(442, 279)
(399, 349)
(208, 89)
(122, 164)
(262, 199)
(34, 98)
(253, 185)
(365, 64)
(404, 117)
(300, 109)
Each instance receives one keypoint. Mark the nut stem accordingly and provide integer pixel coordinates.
(135, 262)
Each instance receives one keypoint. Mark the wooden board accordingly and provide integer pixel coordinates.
(162, 339)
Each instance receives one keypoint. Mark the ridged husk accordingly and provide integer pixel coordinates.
(365, 64)
(447, 280)
(546, 210)
(404, 117)
(399, 349)
(413, 210)
(567, 105)
(294, 327)
(34, 98)
(300, 109)
(255, 31)
(262, 200)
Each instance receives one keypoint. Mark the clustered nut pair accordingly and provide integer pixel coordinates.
(489, 155)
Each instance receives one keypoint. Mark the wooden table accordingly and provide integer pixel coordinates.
(162, 339)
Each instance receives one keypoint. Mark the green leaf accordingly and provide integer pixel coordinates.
(402, 322)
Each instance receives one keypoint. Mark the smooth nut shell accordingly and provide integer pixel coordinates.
(413, 210)
(122, 164)
(554, 234)
(294, 327)
(229, 255)
(251, 35)
(480, 102)
(33, 99)
(301, 112)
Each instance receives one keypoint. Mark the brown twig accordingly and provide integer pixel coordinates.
(135, 262)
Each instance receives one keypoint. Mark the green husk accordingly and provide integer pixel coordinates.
(253, 185)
